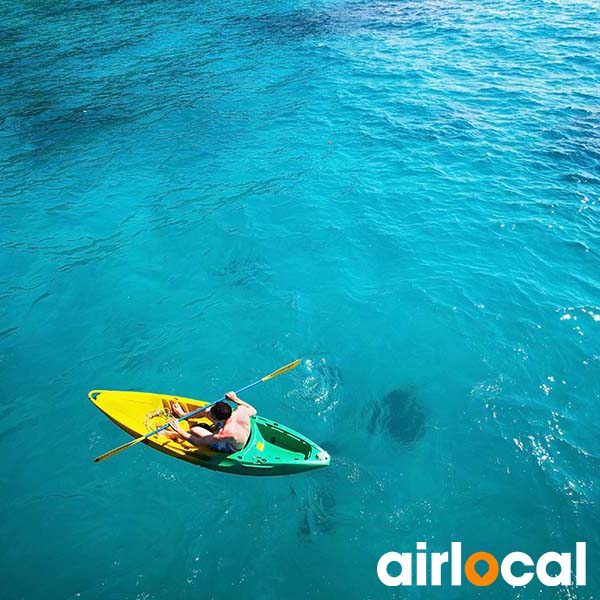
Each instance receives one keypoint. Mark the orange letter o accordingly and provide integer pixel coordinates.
(473, 576)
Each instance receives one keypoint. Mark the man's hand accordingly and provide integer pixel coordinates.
(175, 426)
(233, 397)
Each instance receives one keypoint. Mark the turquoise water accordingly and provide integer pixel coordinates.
(405, 194)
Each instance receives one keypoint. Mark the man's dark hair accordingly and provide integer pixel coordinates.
(221, 411)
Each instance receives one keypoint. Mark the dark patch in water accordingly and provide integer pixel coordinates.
(399, 414)
(303, 531)
(317, 514)
(576, 144)
(242, 272)
(298, 24)
(303, 24)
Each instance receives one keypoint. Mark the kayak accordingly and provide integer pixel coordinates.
(272, 448)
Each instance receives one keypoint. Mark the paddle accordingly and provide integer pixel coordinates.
(114, 451)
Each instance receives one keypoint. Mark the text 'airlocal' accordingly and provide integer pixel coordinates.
(517, 568)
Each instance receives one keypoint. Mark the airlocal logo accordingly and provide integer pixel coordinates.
(516, 568)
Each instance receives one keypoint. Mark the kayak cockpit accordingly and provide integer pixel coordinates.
(283, 440)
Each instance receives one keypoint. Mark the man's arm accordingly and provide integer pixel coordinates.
(198, 440)
(235, 398)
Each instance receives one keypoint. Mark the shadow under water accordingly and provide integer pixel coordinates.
(317, 513)
(398, 414)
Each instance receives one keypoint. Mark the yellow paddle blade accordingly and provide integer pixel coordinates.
(119, 449)
(289, 367)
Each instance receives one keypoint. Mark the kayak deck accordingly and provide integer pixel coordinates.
(272, 449)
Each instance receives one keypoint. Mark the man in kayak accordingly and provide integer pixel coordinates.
(233, 427)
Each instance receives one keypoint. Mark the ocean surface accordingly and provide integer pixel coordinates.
(406, 194)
